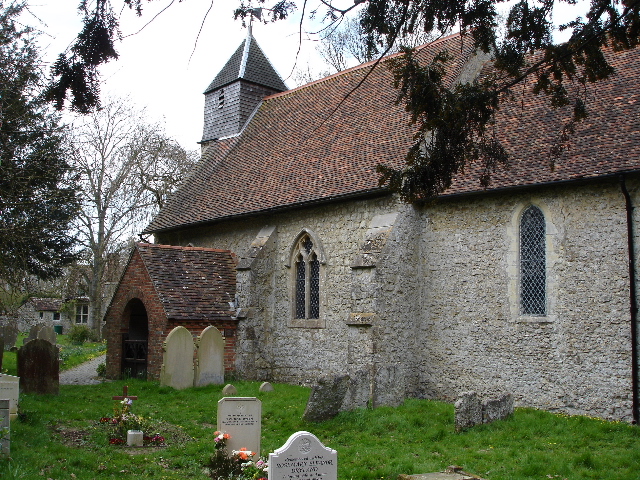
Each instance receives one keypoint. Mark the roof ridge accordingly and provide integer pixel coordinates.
(362, 66)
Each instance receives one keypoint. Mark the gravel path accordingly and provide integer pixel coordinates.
(84, 374)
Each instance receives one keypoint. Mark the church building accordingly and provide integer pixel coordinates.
(527, 286)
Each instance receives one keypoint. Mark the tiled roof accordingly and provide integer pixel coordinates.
(299, 150)
(192, 283)
(251, 65)
(46, 304)
(606, 143)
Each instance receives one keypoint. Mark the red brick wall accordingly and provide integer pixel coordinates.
(136, 283)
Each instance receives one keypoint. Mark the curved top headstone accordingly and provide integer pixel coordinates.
(303, 456)
(177, 361)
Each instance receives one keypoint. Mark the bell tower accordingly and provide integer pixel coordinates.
(236, 91)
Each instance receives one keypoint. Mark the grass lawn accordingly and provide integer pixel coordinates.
(71, 355)
(61, 437)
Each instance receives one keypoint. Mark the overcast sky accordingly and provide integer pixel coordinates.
(162, 67)
(166, 67)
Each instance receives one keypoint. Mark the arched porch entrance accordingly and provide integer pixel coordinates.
(135, 340)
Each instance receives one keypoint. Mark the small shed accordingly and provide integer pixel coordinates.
(163, 287)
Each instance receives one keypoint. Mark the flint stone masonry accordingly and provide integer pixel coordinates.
(241, 418)
(326, 398)
(303, 457)
(445, 284)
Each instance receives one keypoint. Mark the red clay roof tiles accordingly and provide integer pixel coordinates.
(297, 150)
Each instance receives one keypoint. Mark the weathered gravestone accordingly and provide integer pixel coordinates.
(5, 428)
(326, 398)
(229, 390)
(10, 389)
(9, 334)
(48, 333)
(266, 387)
(209, 368)
(39, 368)
(177, 361)
(241, 418)
(33, 332)
(471, 410)
(303, 457)
(468, 411)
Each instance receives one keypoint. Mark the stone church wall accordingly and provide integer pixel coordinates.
(423, 301)
(577, 358)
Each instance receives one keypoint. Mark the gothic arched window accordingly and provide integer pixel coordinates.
(533, 274)
(307, 279)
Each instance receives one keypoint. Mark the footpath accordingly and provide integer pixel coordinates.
(84, 374)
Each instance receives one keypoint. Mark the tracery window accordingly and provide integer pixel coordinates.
(533, 275)
(307, 280)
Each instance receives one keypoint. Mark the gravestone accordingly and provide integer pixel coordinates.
(48, 333)
(9, 334)
(5, 429)
(266, 387)
(177, 361)
(39, 368)
(33, 332)
(303, 457)
(10, 389)
(209, 367)
(468, 411)
(497, 408)
(229, 390)
(241, 418)
(326, 398)
(1, 351)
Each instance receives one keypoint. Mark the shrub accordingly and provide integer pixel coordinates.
(102, 370)
(80, 334)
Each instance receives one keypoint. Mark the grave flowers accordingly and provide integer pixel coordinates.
(124, 420)
(239, 465)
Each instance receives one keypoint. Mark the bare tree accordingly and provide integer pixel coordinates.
(347, 44)
(127, 167)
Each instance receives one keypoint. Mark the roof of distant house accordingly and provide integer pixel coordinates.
(47, 304)
(322, 142)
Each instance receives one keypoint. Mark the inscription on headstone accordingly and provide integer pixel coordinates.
(9, 389)
(303, 457)
(241, 418)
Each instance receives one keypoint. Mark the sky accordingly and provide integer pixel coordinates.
(166, 67)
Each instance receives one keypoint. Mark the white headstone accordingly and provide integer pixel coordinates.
(5, 428)
(303, 457)
(10, 389)
(210, 358)
(135, 438)
(177, 361)
(266, 387)
(241, 418)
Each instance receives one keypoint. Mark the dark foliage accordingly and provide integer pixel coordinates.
(454, 123)
(37, 193)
